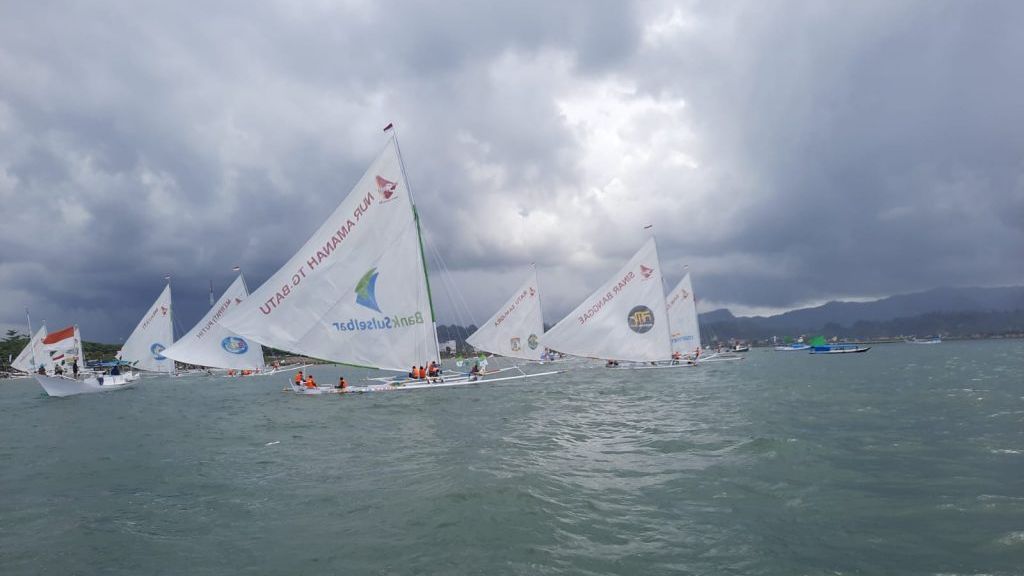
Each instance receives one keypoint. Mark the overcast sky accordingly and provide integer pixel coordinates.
(788, 152)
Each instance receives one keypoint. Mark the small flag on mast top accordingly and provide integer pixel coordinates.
(389, 126)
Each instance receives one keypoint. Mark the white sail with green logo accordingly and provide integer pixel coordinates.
(210, 344)
(356, 292)
(623, 320)
(516, 329)
(145, 346)
(682, 318)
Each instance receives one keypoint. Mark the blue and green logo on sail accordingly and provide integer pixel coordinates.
(366, 290)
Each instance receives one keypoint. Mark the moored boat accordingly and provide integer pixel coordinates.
(794, 347)
(839, 349)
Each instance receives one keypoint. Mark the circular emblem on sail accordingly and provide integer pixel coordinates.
(234, 345)
(640, 319)
(532, 342)
(157, 350)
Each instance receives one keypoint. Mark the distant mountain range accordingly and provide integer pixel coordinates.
(949, 311)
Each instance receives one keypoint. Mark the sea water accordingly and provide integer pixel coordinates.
(905, 460)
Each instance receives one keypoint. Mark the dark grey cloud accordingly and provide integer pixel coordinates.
(789, 152)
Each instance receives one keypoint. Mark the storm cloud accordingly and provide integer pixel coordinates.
(788, 152)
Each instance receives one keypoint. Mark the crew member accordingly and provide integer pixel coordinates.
(310, 383)
(298, 379)
(342, 385)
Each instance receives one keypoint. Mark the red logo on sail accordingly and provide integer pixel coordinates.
(386, 188)
(163, 310)
(646, 272)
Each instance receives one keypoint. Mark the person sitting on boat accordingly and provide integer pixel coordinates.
(116, 370)
(58, 370)
(676, 357)
(298, 379)
(422, 374)
(413, 372)
(435, 370)
(342, 385)
(42, 370)
(310, 383)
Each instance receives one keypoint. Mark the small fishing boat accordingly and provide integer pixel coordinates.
(820, 346)
(794, 347)
(928, 340)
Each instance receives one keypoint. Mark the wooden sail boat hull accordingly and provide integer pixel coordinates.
(450, 382)
(60, 386)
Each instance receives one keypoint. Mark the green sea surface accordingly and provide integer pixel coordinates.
(905, 460)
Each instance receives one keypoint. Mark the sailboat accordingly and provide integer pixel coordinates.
(357, 291)
(64, 348)
(516, 329)
(145, 346)
(212, 345)
(682, 316)
(624, 320)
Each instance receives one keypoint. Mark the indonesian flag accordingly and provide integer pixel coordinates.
(61, 340)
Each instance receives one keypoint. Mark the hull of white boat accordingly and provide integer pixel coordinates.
(60, 386)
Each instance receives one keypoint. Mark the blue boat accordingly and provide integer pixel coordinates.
(820, 346)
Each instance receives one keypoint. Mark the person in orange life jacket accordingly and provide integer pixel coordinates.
(342, 385)
(413, 372)
(298, 378)
(435, 370)
(310, 383)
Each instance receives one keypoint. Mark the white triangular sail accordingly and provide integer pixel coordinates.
(211, 344)
(356, 292)
(154, 334)
(682, 318)
(516, 329)
(623, 320)
(34, 355)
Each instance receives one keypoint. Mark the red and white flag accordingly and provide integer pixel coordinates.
(61, 340)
